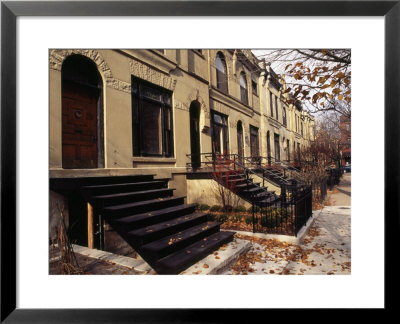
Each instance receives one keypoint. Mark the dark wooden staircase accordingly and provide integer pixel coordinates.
(244, 186)
(167, 233)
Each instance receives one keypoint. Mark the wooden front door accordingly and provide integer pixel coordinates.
(79, 126)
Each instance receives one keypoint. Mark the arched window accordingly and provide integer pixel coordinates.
(243, 88)
(222, 75)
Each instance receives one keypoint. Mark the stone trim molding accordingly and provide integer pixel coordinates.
(57, 57)
(144, 72)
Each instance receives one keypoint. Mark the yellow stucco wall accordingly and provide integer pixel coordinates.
(190, 76)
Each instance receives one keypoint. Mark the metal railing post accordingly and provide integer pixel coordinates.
(254, 221)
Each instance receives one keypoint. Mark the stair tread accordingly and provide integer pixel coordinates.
(137, 217)
(180, 260)
(133, 193)
(167, 224)
(173, 239)
(255, 188)
(140, 203)
(123, 184)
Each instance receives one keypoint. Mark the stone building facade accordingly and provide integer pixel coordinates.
(127, 112)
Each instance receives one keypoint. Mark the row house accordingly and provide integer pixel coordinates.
(129, 112)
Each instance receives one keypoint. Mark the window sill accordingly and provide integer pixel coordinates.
(148, 159)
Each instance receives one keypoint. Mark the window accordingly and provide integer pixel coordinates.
(243, 89)
(219, 133)
(151, 120)
(254, 142)
(270, 104)
(222, 78)
(302, 129)
(284, 117)
(277, 148)
(276, 107)
(254, 87)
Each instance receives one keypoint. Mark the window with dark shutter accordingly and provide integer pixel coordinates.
(151, 120)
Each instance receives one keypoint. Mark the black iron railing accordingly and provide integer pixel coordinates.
(283, 214)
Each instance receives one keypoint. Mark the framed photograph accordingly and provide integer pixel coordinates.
(37, 35)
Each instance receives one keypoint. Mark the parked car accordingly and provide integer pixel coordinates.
(347, 168)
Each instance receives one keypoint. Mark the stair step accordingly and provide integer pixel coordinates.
(125, 187)
(142, 206)
(150, 233)
(172, 243)
(146, 219)
(125, 197)
(269, 200)
(104, 180)
(252, 189)
(245, 185)
(180, 260)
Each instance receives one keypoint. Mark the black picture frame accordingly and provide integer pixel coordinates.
(10, 10)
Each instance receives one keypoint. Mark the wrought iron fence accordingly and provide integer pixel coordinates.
(285, 215)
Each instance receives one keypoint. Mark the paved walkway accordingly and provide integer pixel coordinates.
(341, 195)
(326, 249)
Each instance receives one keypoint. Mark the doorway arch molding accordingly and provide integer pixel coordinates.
(204, 112)
(57, 58)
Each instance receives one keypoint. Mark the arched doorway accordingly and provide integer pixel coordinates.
(240, 142)
(194, 112)
(82, 129)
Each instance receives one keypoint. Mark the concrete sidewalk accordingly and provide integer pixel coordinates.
(341, 195)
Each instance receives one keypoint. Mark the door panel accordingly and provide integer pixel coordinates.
(79, 126)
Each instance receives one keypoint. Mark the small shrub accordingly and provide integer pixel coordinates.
(222, 218)
(203, 207)
(227, 208)
(256, 209)
(236, 218)
(239, 209)
(215, 208)
(249, 219)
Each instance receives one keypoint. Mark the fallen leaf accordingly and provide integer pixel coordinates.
(205, 265)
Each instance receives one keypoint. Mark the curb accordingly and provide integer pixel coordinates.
(134, 264)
